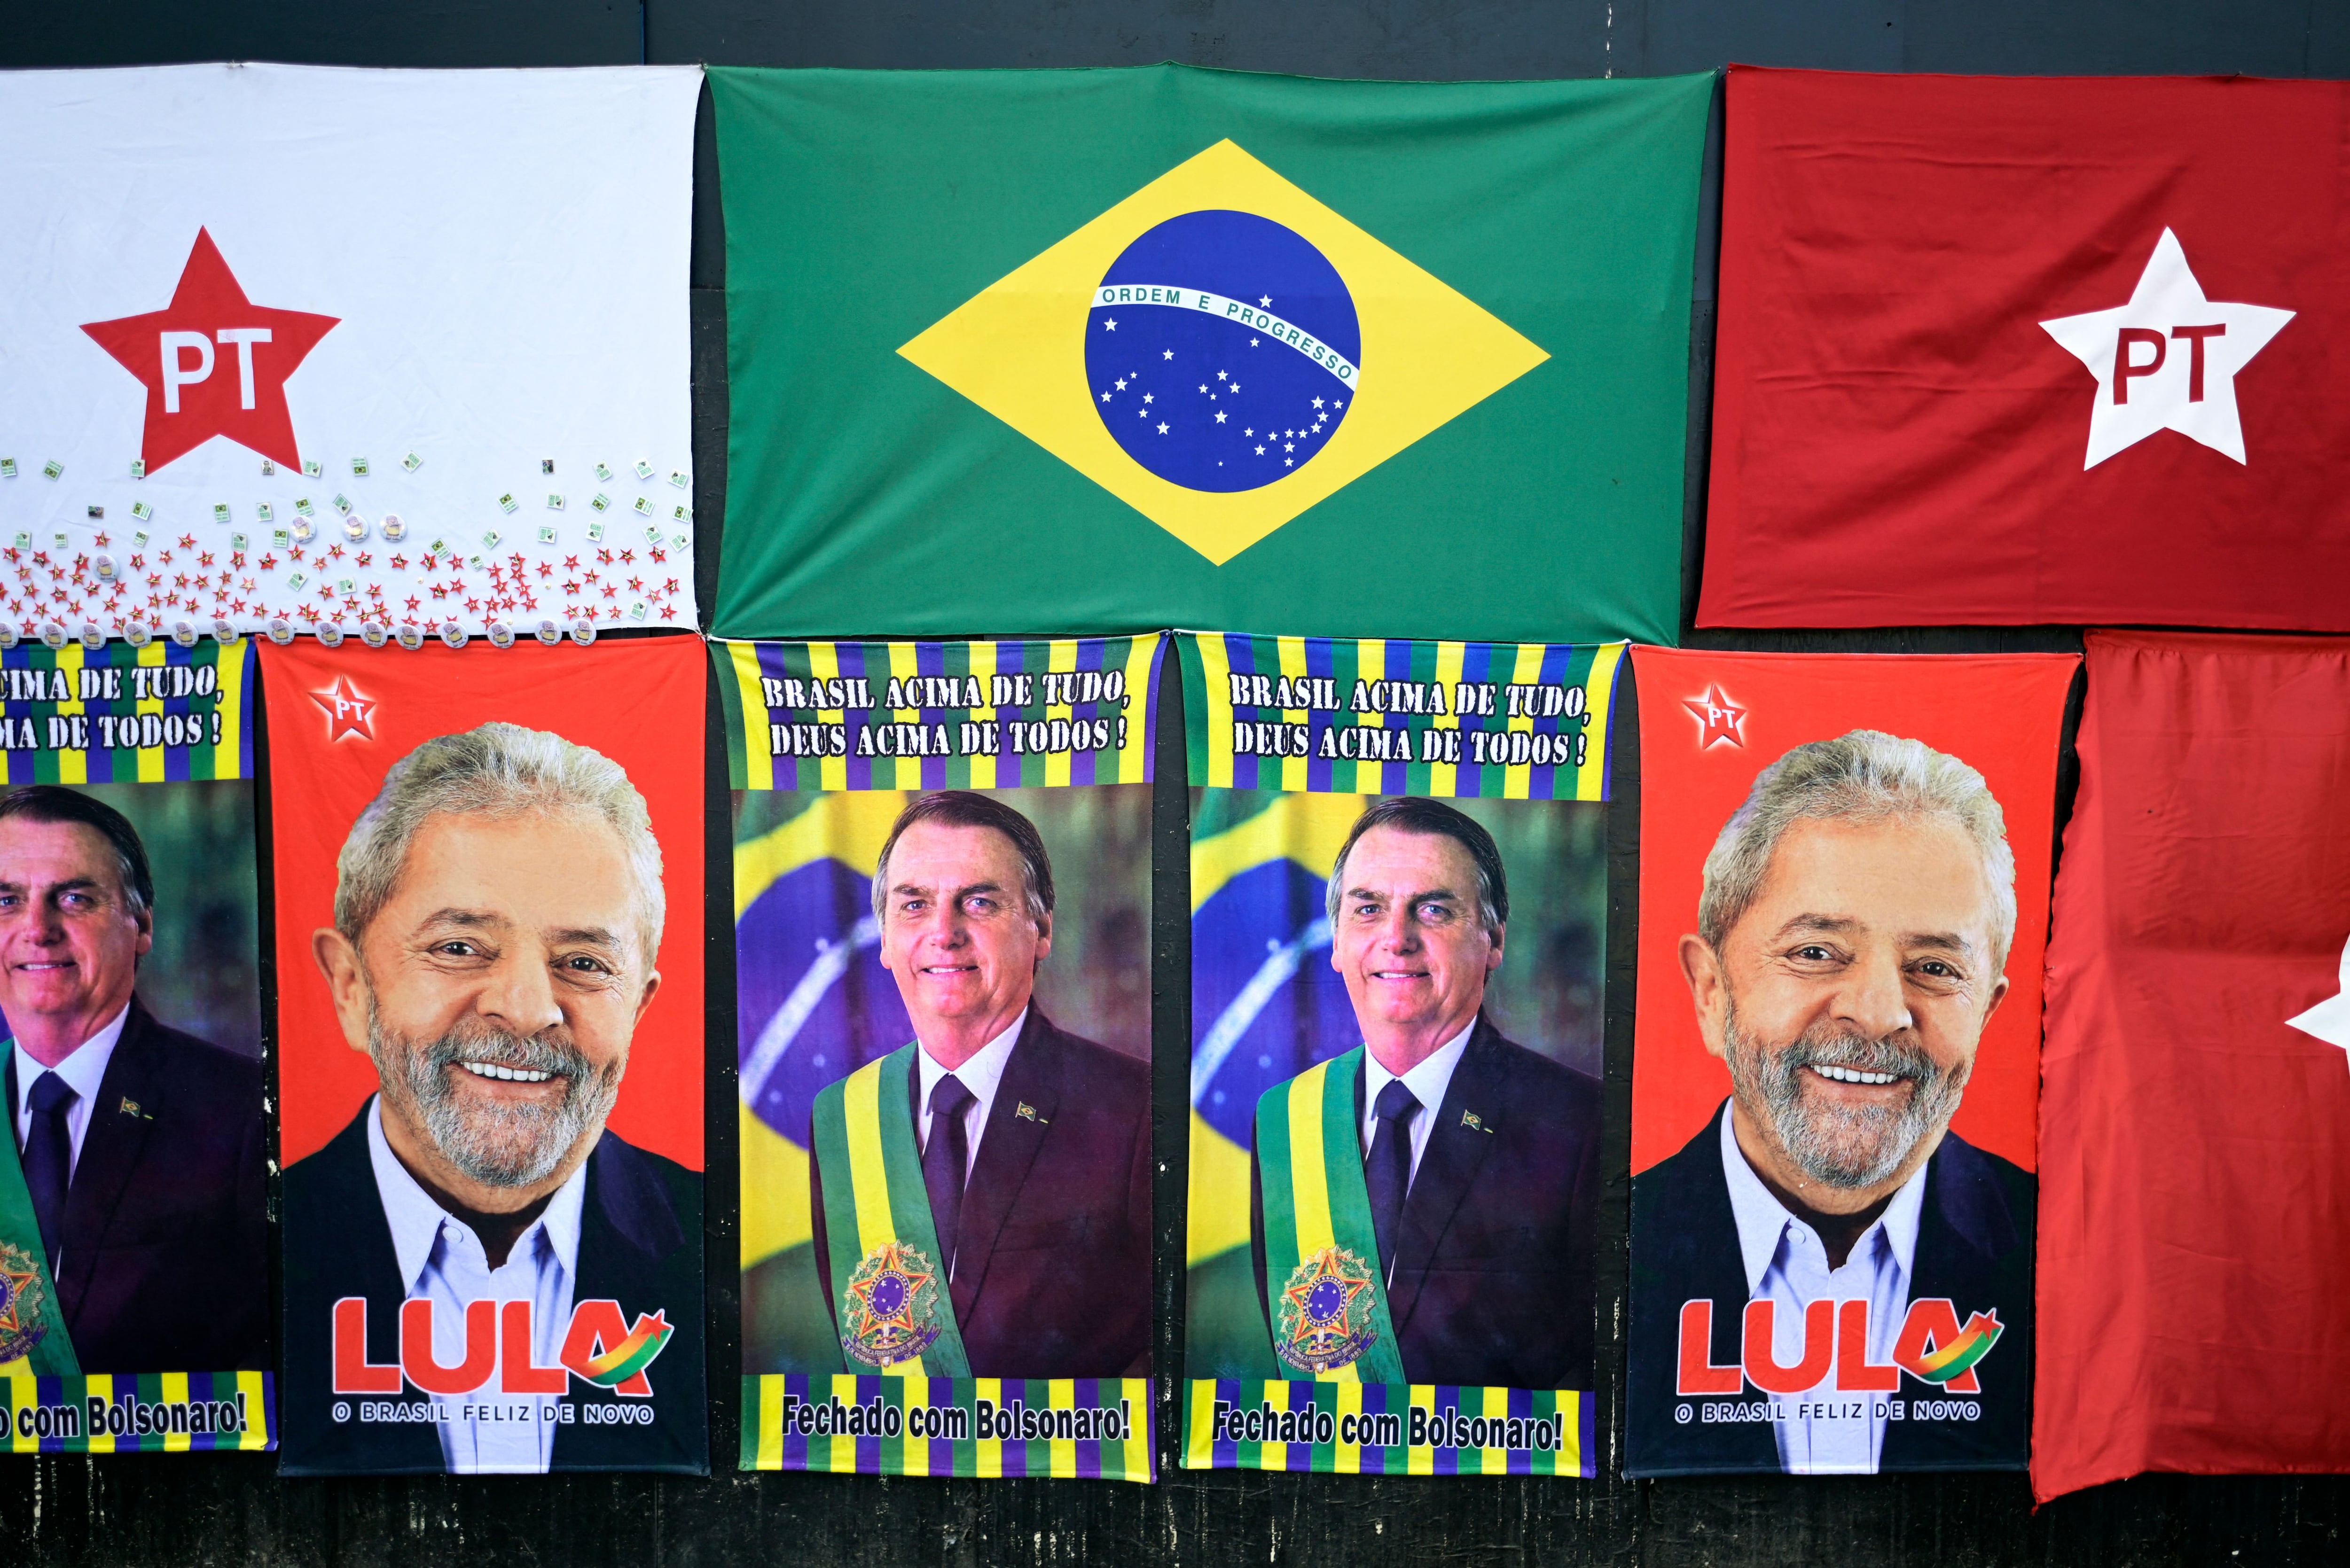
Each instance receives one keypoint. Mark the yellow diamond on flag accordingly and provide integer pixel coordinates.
(1220, 351)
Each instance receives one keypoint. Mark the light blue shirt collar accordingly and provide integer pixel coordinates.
(1762, 1220)
(416, 1219)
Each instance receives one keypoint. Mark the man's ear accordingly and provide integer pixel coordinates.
(1998, 995)
(1710, 990)
(1044, 937)
(338, 961)
(645, 997)
(1500, 935)
(145, 918)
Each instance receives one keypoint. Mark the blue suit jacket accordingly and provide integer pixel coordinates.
(1974, 1246)
(163, 1264)
(639, 1244)
(1495, 1251)
(1052, 1275)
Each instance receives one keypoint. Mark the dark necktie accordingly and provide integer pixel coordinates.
(49, 1159)
(1387, 1173)
(944, 1159)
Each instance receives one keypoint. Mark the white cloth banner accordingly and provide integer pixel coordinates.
(253, 315)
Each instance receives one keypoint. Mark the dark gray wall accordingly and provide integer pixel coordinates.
(190, 1509)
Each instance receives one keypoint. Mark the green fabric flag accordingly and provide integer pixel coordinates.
(1080, 351)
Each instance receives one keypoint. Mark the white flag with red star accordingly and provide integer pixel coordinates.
(350, 347)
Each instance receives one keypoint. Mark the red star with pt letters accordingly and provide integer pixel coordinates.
(213, 363)
(1719, 716)
(348, 711)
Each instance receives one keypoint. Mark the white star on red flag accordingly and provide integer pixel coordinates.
(2329, 1020)
(2167, 359)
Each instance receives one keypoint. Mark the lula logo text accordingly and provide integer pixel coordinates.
(599, 1347)
(1932, 1348)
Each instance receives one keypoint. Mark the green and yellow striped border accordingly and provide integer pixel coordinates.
(1556, 750)
(204, 734)
(771, 746)
(142, 1413)
(1083, 1427)
(1386, 1429)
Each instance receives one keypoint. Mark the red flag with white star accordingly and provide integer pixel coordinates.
(2194, 1274)
(2000, 351)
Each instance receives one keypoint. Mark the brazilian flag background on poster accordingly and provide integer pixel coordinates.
(1082, 350)
(1393, 842)
(137, 1320)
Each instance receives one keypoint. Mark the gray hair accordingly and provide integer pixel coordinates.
(497, 770)
(1869, 776)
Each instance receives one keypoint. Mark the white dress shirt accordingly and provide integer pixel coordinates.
(84, 1071)
(1787, 1263)
(1426, 1082)
(488, 1433)
(981, 1073)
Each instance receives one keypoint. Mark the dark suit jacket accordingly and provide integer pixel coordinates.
(1974, 1246)
(639, 1244)
(163, 1265)
(1495, 1251)
(1052, 1273)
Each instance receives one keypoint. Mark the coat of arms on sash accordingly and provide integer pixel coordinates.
(890, 1306)
(1325, 1313)
(23, 1304)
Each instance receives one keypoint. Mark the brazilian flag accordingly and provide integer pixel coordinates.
(1089, 351)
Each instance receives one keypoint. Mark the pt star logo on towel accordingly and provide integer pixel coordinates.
(1220, 351)
(213, 363)
(2167, 359)
(1719, 719)
(350, 711)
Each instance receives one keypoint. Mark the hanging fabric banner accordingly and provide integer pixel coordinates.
(1844, 894)
(2194, 1287)
(1395, 357)
(942, 922)
(1395, 1084)
(461, 398)
(2010, 350)
(134, 1184)
(489, 884)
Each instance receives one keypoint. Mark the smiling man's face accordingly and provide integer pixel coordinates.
(1410, 943)
(70, 937)
(957, 935)
(1848, 1001)
(498, 990)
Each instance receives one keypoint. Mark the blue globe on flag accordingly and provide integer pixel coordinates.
(1223, 351)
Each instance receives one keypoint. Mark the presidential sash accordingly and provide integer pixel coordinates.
(1324, 1295)
(890, 1298)
(33, 1336)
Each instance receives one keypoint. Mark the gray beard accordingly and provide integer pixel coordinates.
(495, 1144)
(1848, 1148)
